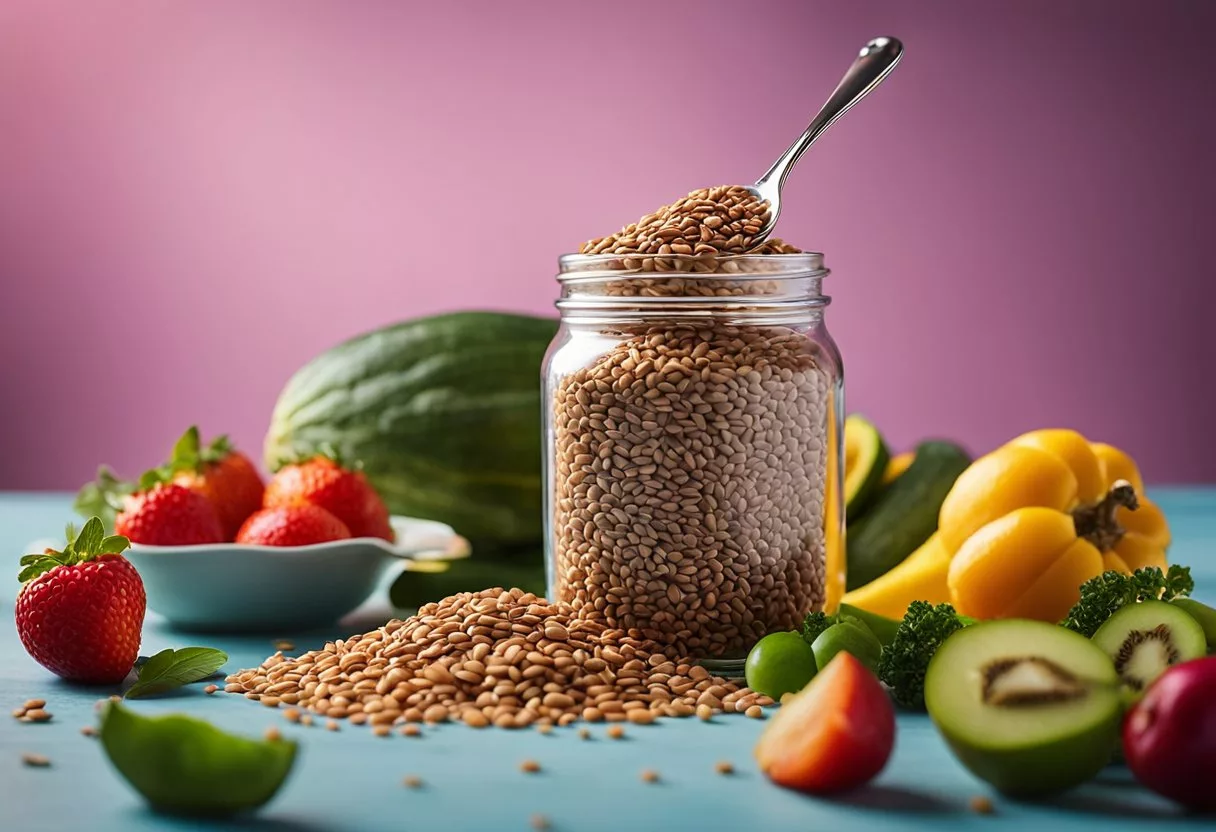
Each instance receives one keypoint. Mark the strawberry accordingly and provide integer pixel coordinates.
(80, 611)
(168, 514)
(345, 492)
(294, 525)
(223, 475)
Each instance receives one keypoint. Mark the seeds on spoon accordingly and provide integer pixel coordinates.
(709, 221)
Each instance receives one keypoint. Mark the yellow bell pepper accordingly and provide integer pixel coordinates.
(1027, 524)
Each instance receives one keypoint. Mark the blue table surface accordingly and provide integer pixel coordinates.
(352, 780)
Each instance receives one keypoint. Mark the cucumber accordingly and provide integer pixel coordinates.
(905, 515)
(865, 463)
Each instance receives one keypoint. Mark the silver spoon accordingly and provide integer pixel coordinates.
(877, 59)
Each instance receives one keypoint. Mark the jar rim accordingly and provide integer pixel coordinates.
(573, 267)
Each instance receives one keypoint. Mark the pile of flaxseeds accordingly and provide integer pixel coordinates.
(497, 657)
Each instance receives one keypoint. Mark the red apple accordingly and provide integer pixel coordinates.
(834, 735)
(1169, 737)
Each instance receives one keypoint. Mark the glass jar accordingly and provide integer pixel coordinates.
(693, 448)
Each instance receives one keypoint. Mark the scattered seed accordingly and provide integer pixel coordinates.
(382, 730)
(755, 712)
(89, 731)
(544, 728)
(539, 822)
(37, 715)
(649, 775)
(705, 713)
(982, 805)
(529, 766)
(411, 730)
(412, 781)
(284, 645)
(18, 713)
(32, 704)
(786, 697)
(306, 720)
(724, 767)
(584, 734)
(291, 715)
(210, 689)
(273, 734)
(35, 760)
(616, 732)
(332, 725)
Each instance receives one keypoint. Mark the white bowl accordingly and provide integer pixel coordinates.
(235, 587)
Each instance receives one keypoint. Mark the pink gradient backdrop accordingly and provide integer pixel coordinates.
(196, 197)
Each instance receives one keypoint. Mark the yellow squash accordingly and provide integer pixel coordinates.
(1027, 524)
(920, 577)
(896, 466)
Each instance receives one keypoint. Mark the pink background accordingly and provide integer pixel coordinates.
(197, 197)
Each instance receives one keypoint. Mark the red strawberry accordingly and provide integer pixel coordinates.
(296, 525)
(224, 476)
(168, 514)
(220, 474)
(80, 611)
(345, 493)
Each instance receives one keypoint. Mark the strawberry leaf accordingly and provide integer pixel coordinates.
(170, 669)
(219, 450)
(89, 540)
(114, 544)
(154, 477)
(36, 565)
(103, 497)
(88, 544)
(186, 452)
(323, 450)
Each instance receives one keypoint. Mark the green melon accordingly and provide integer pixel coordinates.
(444, 413)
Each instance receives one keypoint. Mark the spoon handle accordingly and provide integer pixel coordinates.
(877, 59)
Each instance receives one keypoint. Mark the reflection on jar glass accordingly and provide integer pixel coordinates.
(693, 445)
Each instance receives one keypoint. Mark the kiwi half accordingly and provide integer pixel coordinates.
(1146, 639)
(1030, 707)
(1202, 613)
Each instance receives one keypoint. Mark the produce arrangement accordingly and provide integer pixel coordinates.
(1039, 625)
(1018, 531)
(681, 540)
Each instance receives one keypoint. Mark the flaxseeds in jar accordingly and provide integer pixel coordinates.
(693, 442)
